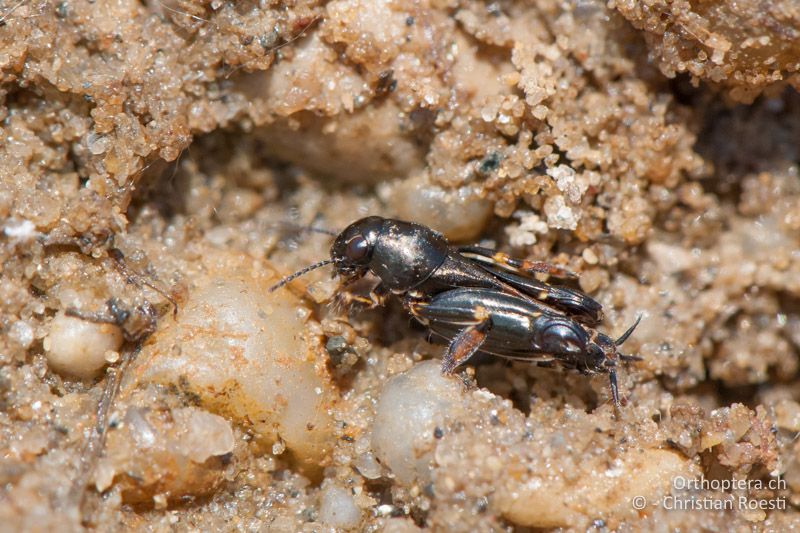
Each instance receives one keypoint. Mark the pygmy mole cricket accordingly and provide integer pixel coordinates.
(478, 299)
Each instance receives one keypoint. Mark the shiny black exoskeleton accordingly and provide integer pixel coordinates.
(476, 298)
(517, 328)
(401, 254)
(411, 258)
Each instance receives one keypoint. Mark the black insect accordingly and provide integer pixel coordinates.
(477, 298)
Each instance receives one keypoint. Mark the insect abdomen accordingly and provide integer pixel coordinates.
(514, 320)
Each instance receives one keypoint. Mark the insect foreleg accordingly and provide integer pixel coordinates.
(376, 297)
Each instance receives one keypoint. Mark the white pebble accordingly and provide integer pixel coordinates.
(525, 233)
(20, 230)
(459, 214)
(77, 347)
(368, 466)
(104, 475)
(559, 214)
(22, 333)
(338, 509)
(141, 431)
(208, 435)
(97, 144)
(244, 351)
(173, 453)
(278, 447)
(411, 406)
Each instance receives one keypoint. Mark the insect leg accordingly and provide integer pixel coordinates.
(135, 326)
(499, 258)
(612, 376)
(376, 298)
(378, 295)
(465, 344)
(344, 299)
(131, 276)
(115, 314)
(577, 305)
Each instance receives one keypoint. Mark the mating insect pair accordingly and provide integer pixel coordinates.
(476, 298)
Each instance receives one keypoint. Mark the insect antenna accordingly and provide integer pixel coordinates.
(300, 228)
(315, 229)
(310, 229)
(135, 278)
(299, 273)
(628, 333)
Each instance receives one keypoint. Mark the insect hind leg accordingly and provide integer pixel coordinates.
(499, 258)
(465, 345)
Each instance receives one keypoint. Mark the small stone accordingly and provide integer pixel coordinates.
(368, 466)
(77, 347)
(209, 435)
(22, 333)
(160, 501)
(410, 407)
(589, 256)
(338, 508)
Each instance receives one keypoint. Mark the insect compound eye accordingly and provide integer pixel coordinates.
(563, 338)
(357, 248)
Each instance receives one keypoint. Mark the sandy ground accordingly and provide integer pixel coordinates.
(157, 159)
